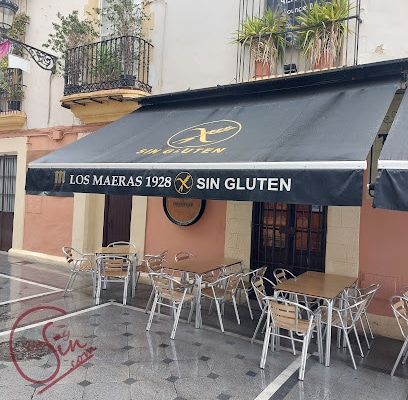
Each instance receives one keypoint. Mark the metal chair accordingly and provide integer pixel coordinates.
(399, 305)
(284, 320)
(113, 269)
(344, 317)
(356, 293)
(260, 290)
(154, 265)
(141, 268)
(186, 279)
(78, 263)
(168, 293)
(246, 284)
(220, 291)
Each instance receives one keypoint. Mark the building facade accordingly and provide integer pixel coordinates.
(192, 48)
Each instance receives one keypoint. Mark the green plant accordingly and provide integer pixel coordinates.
(107, 64)
(125, 17)
(264, 35)
(70, 33)
(322, 29)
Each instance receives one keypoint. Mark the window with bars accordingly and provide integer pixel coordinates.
(8, 166)
(291, 236)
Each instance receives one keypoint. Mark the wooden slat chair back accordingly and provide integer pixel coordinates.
(115, 269)
(284, 320)
(168, 293)
(78, 263)
(260, 290)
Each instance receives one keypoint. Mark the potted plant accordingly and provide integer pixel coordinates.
(70, 33)
(321, 31)
(265, 37)
(126, 19)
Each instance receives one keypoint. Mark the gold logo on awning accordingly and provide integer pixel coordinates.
(205, 134)
(183, 183)
(59, 178)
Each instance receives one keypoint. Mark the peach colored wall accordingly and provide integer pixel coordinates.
(205, 237)
(48, 224)
(383, 253)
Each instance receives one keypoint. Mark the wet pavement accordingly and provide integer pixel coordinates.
(68, 348)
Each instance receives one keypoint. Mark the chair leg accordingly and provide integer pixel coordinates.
(149, 301)
(98, 292)
(125, 289)
(70, 282)
(258, 325)
(149, 323)
(303, 358)
(265, 346)
(349, 348)
(176, 320)
(358, 341)
(236, 309)
(403, 348)
(217, 305)
(249, 304)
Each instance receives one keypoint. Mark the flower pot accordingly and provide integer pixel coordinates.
(262, 68)
(14, 105)
(127, 80)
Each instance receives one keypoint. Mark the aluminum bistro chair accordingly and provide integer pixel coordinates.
(220, 291)
(246, 284)
(345, 317)
(168, 293)
(280, 274)
(260, 290)
(141, 268)
(284, 320)
(113, 269)
(78, 263)
(154, 264)
(186, 279)
(356, 293)
(399, 305)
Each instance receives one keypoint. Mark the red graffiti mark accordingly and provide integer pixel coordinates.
(64, 347)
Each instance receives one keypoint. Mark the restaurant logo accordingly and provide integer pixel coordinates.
(59, 178)
(206, 134)
(183, 182)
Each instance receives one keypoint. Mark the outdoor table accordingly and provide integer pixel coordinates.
(323, 286)
(123, 251)
(200, 266)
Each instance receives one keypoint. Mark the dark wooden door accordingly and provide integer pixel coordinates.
(118, 211)
(8, 168)
(291, 236)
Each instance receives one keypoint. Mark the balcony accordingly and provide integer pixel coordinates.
(298, 48)
(11, 116)
(102, 79)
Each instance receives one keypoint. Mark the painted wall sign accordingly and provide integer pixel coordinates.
(183, 211)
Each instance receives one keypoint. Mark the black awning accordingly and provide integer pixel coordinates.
(391, 186)
(303, 145)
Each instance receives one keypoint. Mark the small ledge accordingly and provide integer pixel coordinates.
(104, 105)
(12, 120)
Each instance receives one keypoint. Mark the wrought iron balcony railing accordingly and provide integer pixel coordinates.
(121, 62)
(299, 49)
(11, 98)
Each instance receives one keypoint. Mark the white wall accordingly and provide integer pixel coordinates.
(383, 30)
(43, 90)
(192, 42)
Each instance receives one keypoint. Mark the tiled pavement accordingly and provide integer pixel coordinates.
(106, 353)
